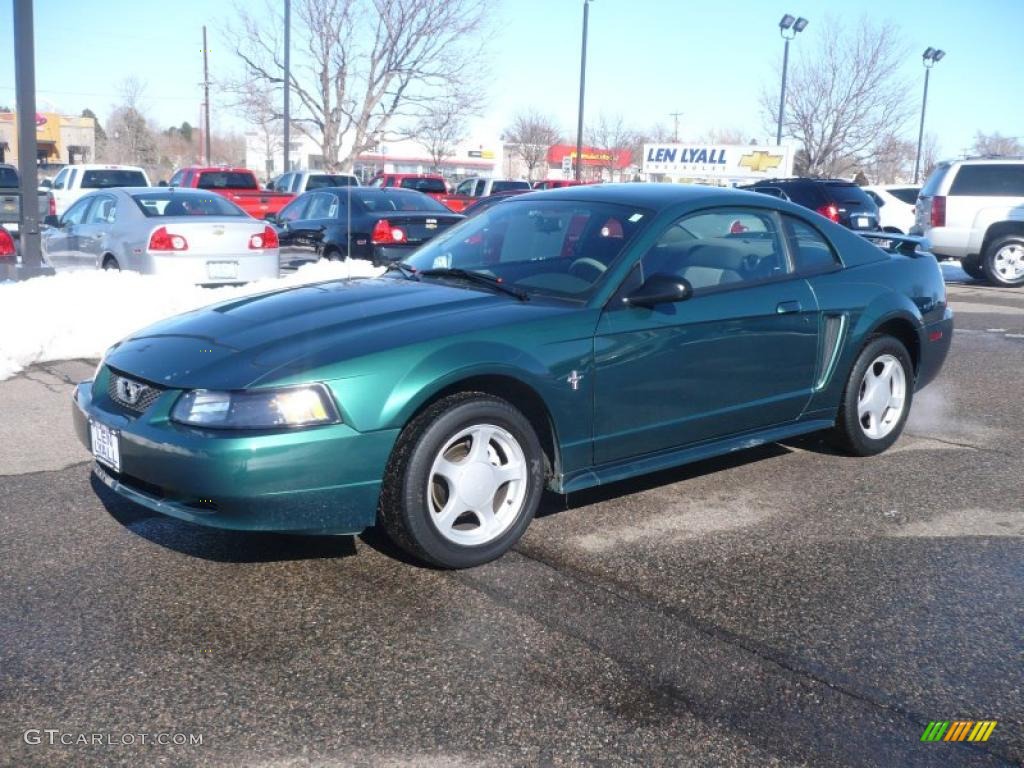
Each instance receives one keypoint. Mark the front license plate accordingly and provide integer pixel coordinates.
(222, 270)
(863, 222)
(105, 445)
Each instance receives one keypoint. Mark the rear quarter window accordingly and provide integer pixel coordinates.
(934, 182)
(995, 180)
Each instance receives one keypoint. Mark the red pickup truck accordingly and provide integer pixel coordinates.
(239, 185)
(432, 185)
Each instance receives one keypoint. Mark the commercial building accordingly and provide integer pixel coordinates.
(470, 158)
(60, 139)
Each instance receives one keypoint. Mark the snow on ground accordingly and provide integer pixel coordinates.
(79, 314)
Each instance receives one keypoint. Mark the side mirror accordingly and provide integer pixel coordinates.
(162, 183)
(660, 289)
(52, 220)
(45, 184)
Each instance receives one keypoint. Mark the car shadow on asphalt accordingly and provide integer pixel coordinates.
(554, 503)
(215, 544)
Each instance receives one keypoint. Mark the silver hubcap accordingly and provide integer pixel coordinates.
(883, 393)
(477, 485)
(1009, 262)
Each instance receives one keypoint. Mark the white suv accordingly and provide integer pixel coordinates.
(973, 210)
(73, 181)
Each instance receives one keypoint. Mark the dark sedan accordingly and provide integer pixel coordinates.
(381, 225)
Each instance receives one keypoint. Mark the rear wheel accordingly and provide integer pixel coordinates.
(877, 398)
(333, 254)
(463, 482)
(972, 267)
(111, 263)
(1003, 261)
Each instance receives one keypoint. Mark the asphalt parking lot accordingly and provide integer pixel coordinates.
(783, 606)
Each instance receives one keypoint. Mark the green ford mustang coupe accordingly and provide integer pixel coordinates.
(562, 340)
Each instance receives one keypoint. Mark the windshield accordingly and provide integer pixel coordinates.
(391, 199)
(227, 180)
(107, 179)
(159, 204)
(561, 248)
(505, 186)
(424, 185)
(320, 180)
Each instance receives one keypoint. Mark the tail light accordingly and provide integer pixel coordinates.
(6, 244)
(938, 215)
(830, 212)
(386, 234)
(162, 240)
(52, 210)
(268, 239)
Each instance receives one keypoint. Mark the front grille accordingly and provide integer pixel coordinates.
(132, 394)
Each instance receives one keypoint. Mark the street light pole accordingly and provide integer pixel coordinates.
(928, 58)
(287, 78)
(788, 28)
(583, 81)
(25, 96)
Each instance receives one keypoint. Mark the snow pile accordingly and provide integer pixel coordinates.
(79, 314)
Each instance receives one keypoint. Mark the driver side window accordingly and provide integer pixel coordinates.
(719, 249)
(295, 210)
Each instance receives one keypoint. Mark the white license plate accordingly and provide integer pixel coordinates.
(105, 445)
(863, 222)
(222, 270)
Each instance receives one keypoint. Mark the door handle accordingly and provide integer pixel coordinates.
(788, 307)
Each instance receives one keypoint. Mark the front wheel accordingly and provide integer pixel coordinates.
(463, 482)
(111, 263)
(877, 398)
(1003, 261)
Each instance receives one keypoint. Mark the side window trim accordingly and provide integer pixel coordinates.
(789, 242)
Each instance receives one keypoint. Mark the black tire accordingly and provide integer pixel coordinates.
(333, 254)
(109, 262)
(988, 261)
(849, 433)
(404, 510)
(972, 266)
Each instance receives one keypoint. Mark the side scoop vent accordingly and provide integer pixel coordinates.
(831, 340)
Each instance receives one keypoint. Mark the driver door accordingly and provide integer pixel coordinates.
(61, 242)
(739, 355)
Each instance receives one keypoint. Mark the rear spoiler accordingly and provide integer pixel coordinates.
(908, 245)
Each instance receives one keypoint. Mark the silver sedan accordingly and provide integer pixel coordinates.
(189, 234)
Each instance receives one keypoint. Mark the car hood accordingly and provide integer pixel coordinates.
(260, 339)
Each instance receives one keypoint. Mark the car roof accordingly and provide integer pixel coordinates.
(997, 159)
(651, 196)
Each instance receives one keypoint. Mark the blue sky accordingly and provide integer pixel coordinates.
(646, 58)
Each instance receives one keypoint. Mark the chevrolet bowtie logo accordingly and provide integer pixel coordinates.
(760, 161)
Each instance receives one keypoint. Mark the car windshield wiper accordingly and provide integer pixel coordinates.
(479, 278)
(407, 270)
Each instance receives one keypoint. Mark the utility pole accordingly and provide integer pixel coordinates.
(583, 82)
(675, 131)
(25, 95)
(287, 78)
(206, 98)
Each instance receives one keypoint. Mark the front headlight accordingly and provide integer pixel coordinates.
(303, 406)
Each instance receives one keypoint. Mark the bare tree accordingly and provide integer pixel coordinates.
(997, 144)
(256, 103)
(364, 66)
(444, 125)
(532, 134)
(611, 136)
(724, 136)
(130, 138)
(845, 96)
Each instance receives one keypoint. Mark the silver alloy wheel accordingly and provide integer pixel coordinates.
(882, 396)
(477, 485)
(1008, 262)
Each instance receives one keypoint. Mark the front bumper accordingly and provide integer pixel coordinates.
(320, 480)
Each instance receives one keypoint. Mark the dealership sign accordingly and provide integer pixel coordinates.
(719, 161)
